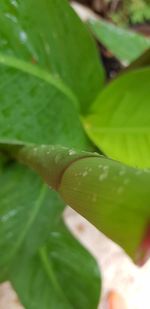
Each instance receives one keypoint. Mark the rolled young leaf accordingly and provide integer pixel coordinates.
(112, 196)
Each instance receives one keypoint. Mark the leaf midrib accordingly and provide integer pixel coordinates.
(40, 73)
(51, 275)
(121, 130)
(38, 204)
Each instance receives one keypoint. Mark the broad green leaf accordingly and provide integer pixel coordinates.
(37, 108)
(119, 119)
(62, 270)
(125, 44)
(112, 196)
(50, 34)
(28, 209)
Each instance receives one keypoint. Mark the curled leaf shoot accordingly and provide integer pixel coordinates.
(112, 196)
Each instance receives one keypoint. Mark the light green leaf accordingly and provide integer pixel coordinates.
(63, 270)
(119, 119)
(125, 44)
(50, 34)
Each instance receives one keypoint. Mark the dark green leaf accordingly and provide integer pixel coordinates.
(37, 108)
(27, 208)
(119, 119)
(62, 271)
(125, 44)
(50, 33)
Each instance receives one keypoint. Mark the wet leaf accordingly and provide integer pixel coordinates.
(112, 196)
(29, 210)
(50, 34)
(64, 272)
(30, 111)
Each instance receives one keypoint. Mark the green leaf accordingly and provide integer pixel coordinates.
(63, 270)
(112, 196)
(126, 45)
(26, 208)
(50, 34)
(30, 111)
(119, 119)
(37, 218)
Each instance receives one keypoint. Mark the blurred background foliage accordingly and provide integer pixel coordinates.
(121, 11)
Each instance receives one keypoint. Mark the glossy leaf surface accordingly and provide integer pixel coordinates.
(28, 209)
(50, 34)
(30, 111)
(63, 271)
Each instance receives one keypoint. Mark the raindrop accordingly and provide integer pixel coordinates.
(11, 17)
(72, 152)
(43, 146)
(9, 215)
(85, 174)
(23, 36)
(103, 176)
(122, 172)
(78, 174)
(14, 3)
(105, 167)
